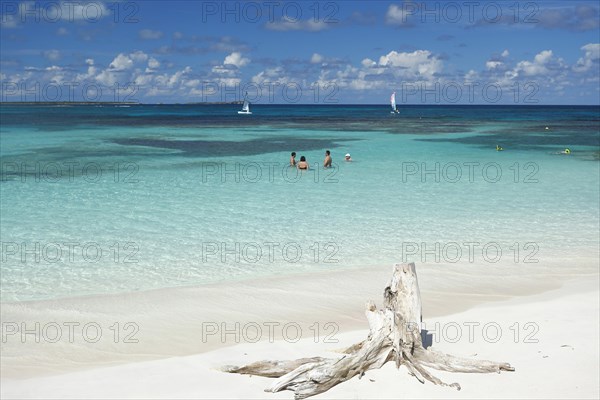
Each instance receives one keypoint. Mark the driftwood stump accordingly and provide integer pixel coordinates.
(395, 335)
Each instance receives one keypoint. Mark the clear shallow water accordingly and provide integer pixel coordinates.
(192, 195)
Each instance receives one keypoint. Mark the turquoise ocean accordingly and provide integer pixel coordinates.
(98, 199)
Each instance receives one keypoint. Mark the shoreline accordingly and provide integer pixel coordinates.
(537, 355)
(176, 322)
(582, 267)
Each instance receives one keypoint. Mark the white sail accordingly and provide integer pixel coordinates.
(245, 108)
(393, 101)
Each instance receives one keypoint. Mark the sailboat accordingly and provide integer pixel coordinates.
(245, 107)
(393, 101)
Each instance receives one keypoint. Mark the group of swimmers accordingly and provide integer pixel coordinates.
(303, 164)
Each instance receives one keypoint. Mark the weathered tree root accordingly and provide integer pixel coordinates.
(394, 336)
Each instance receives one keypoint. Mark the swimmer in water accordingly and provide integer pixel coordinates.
(327, 161)
(498, 148)
(302, 164)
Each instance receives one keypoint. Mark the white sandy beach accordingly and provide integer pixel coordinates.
(554, 347)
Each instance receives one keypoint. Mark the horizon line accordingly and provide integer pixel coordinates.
(289, 104)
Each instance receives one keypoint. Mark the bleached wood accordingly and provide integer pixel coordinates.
(394, 335)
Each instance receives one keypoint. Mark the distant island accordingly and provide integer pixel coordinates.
(212, 103)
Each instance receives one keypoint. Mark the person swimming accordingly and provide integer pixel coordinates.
(499, 148)
(566, 151)
(327, 161)
(293, 159)
(347, 157)
(302, 164)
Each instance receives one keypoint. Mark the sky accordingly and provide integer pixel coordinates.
(304, 52)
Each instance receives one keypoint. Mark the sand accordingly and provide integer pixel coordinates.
(551, 338)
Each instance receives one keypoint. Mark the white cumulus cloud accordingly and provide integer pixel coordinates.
(493, 64)
(236, 59)
(367, 62)
(543, 57)
(121, 62)
(592, 54)
(139, 56)
(396, 15)
(420, 63)
(153, 63)
(316, 58)
(539, 65)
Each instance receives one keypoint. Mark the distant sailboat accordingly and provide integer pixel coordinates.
(246, 107)
(393, 101)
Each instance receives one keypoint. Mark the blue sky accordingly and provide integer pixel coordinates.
(446, 52)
